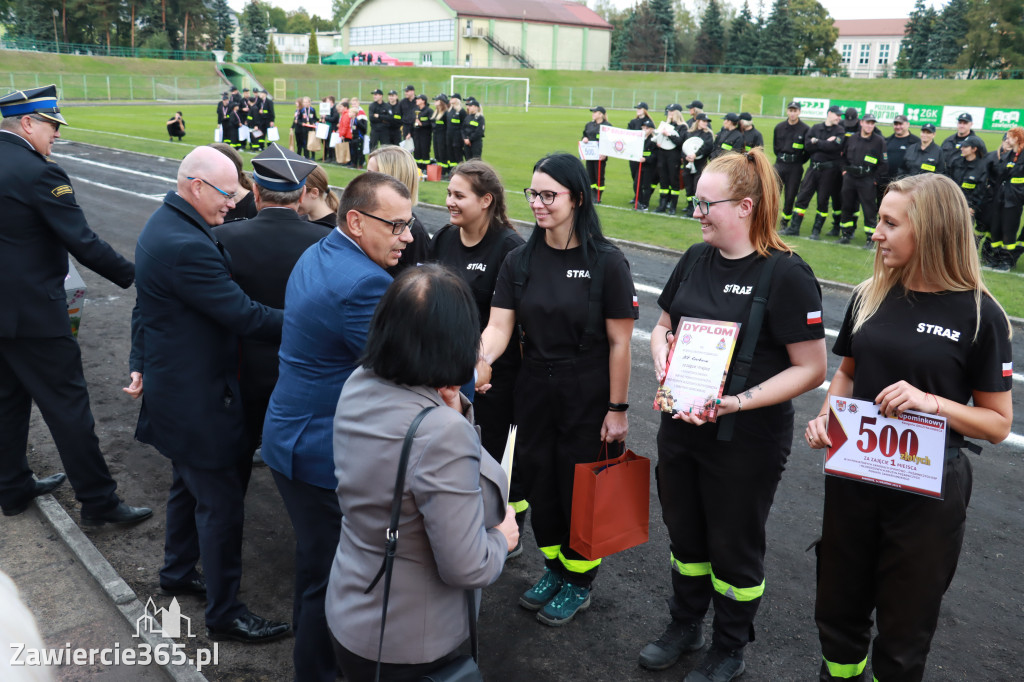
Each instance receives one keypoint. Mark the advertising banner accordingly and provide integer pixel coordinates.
(885, 112)
(845, 104)
(950, 114)
(811, 107)
(1001, 119)
(919, 114)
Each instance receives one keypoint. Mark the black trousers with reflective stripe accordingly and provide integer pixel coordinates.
(790, 173)
(560, 408)
(668, 170)
(893, 552)
(826, 183)
(859, 193)
(715, 501)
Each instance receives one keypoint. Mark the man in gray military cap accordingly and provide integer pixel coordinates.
(39, 358)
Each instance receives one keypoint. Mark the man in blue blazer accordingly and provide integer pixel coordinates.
(186, 326)
(39, 358)
(331, 295)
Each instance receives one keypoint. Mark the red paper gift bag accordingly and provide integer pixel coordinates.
(433, 172)
(611, 501)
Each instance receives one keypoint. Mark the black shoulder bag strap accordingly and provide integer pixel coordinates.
(745, 357)
(391, 545)
(594, 326)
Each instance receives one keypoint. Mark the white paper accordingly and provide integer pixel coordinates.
(273, 135)
(589, 151)
(509, 456)
(243, 133)
(906, 453)
(335, 139)
(323, 130)
(325, 109)
(218, 134)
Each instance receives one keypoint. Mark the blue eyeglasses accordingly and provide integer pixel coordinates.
(225, 194)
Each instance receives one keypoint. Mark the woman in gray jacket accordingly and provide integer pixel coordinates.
(455, 529)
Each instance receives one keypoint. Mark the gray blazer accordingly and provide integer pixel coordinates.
(454, 496)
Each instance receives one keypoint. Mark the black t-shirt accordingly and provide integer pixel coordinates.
(477, 264)
(722, 289)
(927, 340)
(556, 296)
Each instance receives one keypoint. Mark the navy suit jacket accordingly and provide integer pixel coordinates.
(331, 295)
(41, 223)
(188, 318)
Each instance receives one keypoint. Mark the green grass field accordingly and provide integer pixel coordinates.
(515, 141)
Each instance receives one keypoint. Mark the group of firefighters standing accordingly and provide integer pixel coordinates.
(851, 164)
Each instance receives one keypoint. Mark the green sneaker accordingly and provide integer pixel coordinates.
(569, 601)
(540, 594)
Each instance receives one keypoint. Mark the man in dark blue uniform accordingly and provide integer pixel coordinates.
(39, 358)
(189, 316)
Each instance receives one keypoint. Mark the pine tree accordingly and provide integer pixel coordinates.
(313, 53)
(743, 39)
(641, 43)
(917, 36)
(710, 48)
(272, 56)
(665, 22)
(253, 41)
(950, 35)
(229, 47)
(778, 47)
(224, 24)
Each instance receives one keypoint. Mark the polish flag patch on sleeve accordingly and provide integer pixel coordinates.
(1007, 369)
(636, 303)
(814, 318)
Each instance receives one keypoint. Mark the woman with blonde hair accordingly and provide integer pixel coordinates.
(319, 203)
(922, 334)
(398, 163)
(720, 462)
(669, 136)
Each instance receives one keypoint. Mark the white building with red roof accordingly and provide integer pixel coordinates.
(543, 34)
(869, 47)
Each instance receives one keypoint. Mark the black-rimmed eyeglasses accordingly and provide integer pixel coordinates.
(546, 197)
(397, 226)
(222, 192)
(704, 206)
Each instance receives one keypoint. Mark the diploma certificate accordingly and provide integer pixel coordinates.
(698, 363)
(906, 453)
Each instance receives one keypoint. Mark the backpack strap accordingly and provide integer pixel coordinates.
(594, 329)
(745, 357)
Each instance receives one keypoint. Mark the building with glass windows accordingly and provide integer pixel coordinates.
(869, 47)
(543, 34)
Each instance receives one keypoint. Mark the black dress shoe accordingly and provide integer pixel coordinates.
(41, 487)
(196, 587)
(250, 629)
(121, 515)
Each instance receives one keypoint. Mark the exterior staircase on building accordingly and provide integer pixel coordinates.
(502, 48)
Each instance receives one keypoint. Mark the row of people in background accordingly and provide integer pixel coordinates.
(240, 109)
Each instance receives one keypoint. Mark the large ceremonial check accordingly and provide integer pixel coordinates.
(906, 453)
(697, 366)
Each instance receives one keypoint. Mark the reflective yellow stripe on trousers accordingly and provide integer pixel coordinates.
(845, 671)
(725, 589)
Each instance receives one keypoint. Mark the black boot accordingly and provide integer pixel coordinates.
(868, 244)
(672, 201)
(819, 222)
(847, 234)
(783, 225)
(794, 226)
(836, 228)
(662, 204)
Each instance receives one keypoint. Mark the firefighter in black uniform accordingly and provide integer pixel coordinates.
(925, 157)
(729, 138)
(473, 131)
(1008, 203)
(236, 97)
(694, 163)
(695, 108)
(824, 144)
(439, 121)
(970, 172)
(377, 114)
(263, 117)
(951, 145)
(669, 136)
(896, 146)
(248, 99)
(995, 166)
(863, 161)
(392, 133)
(421, 132)
(596, 169)
(851, 123)
(933, 341)
(408, 107)
(636, 167)
(456, 148)
(752, 137)
(789, 141)
(649, 168)
(223, 110)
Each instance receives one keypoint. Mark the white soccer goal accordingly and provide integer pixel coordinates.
(494, 90)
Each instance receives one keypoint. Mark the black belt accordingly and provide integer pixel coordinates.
(822, 165)
(786, 157)
(858, 171)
